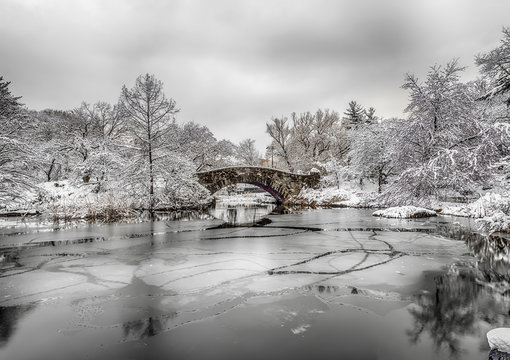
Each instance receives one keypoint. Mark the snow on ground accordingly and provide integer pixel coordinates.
(405, 212)
(65, 200)
(333, 196)
(487, 205)
(492, 211)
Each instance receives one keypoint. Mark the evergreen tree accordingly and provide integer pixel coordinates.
(354, 115)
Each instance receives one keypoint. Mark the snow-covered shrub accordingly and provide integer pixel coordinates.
(184, 193)
(109, 207)
(176, 187)
(413, 186)
(324, 197)
(64, 200)
(488, 205)
(495, 223)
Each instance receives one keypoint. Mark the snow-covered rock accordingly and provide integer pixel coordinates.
(405, 212)
(499, 338)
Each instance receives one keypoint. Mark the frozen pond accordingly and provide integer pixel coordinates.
(317, 284)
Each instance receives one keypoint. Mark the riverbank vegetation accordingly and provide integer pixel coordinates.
(452, 148)
(104, 161)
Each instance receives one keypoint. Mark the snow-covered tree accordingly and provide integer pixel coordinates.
(180, 189)
(308, 140)
(198, 144)
(495, 65)
(354, 115)
(495, 89)
(437, 151)
(280, 133)
(247, 153)
(370, 115)
(149, 115)
(372, 151)
(101, 132)
(314, 136)
(53, 144)
(14, 153)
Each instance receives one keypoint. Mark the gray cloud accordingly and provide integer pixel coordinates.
(233, 64)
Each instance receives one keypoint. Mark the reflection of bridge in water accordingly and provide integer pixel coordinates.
(280, 184)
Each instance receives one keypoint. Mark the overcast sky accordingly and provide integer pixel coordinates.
(234, 64)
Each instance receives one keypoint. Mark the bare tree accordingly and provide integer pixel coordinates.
(280, 132)
(247, 153)
(314, 136)
(150, 117)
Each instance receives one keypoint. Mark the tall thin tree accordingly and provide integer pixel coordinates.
(150, 115)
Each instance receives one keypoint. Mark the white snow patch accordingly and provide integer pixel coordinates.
(300, 329)
(499, 338)
(245, 199)
(487, 205)
(329, 196)
(405, 212)
(492, 211)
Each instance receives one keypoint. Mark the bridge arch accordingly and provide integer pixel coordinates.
(280, 184)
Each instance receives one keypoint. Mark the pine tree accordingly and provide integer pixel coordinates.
(354, 115)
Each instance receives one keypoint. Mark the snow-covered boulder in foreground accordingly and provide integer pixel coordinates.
(405, 212)
(499, 339)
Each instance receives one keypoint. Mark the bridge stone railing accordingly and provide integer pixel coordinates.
(280, 184)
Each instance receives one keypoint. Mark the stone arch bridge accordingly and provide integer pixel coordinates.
(280, 184)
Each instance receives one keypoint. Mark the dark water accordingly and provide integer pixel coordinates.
(322, 284)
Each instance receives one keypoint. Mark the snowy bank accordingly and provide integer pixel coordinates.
(332, 196)
(67, 200)
(487, 205)
(405, 212)
(492, 211)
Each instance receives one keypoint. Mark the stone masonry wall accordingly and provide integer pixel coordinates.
(280, 184)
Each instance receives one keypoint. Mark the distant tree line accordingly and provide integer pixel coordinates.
(134, 146)
(455, 141)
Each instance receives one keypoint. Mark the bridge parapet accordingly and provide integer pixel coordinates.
(280, 184)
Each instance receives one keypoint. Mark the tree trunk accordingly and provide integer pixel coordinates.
(50, 170)
(151, 172)
(151, 185)
(379, 181)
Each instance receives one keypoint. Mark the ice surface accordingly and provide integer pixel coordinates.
(309, 283)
